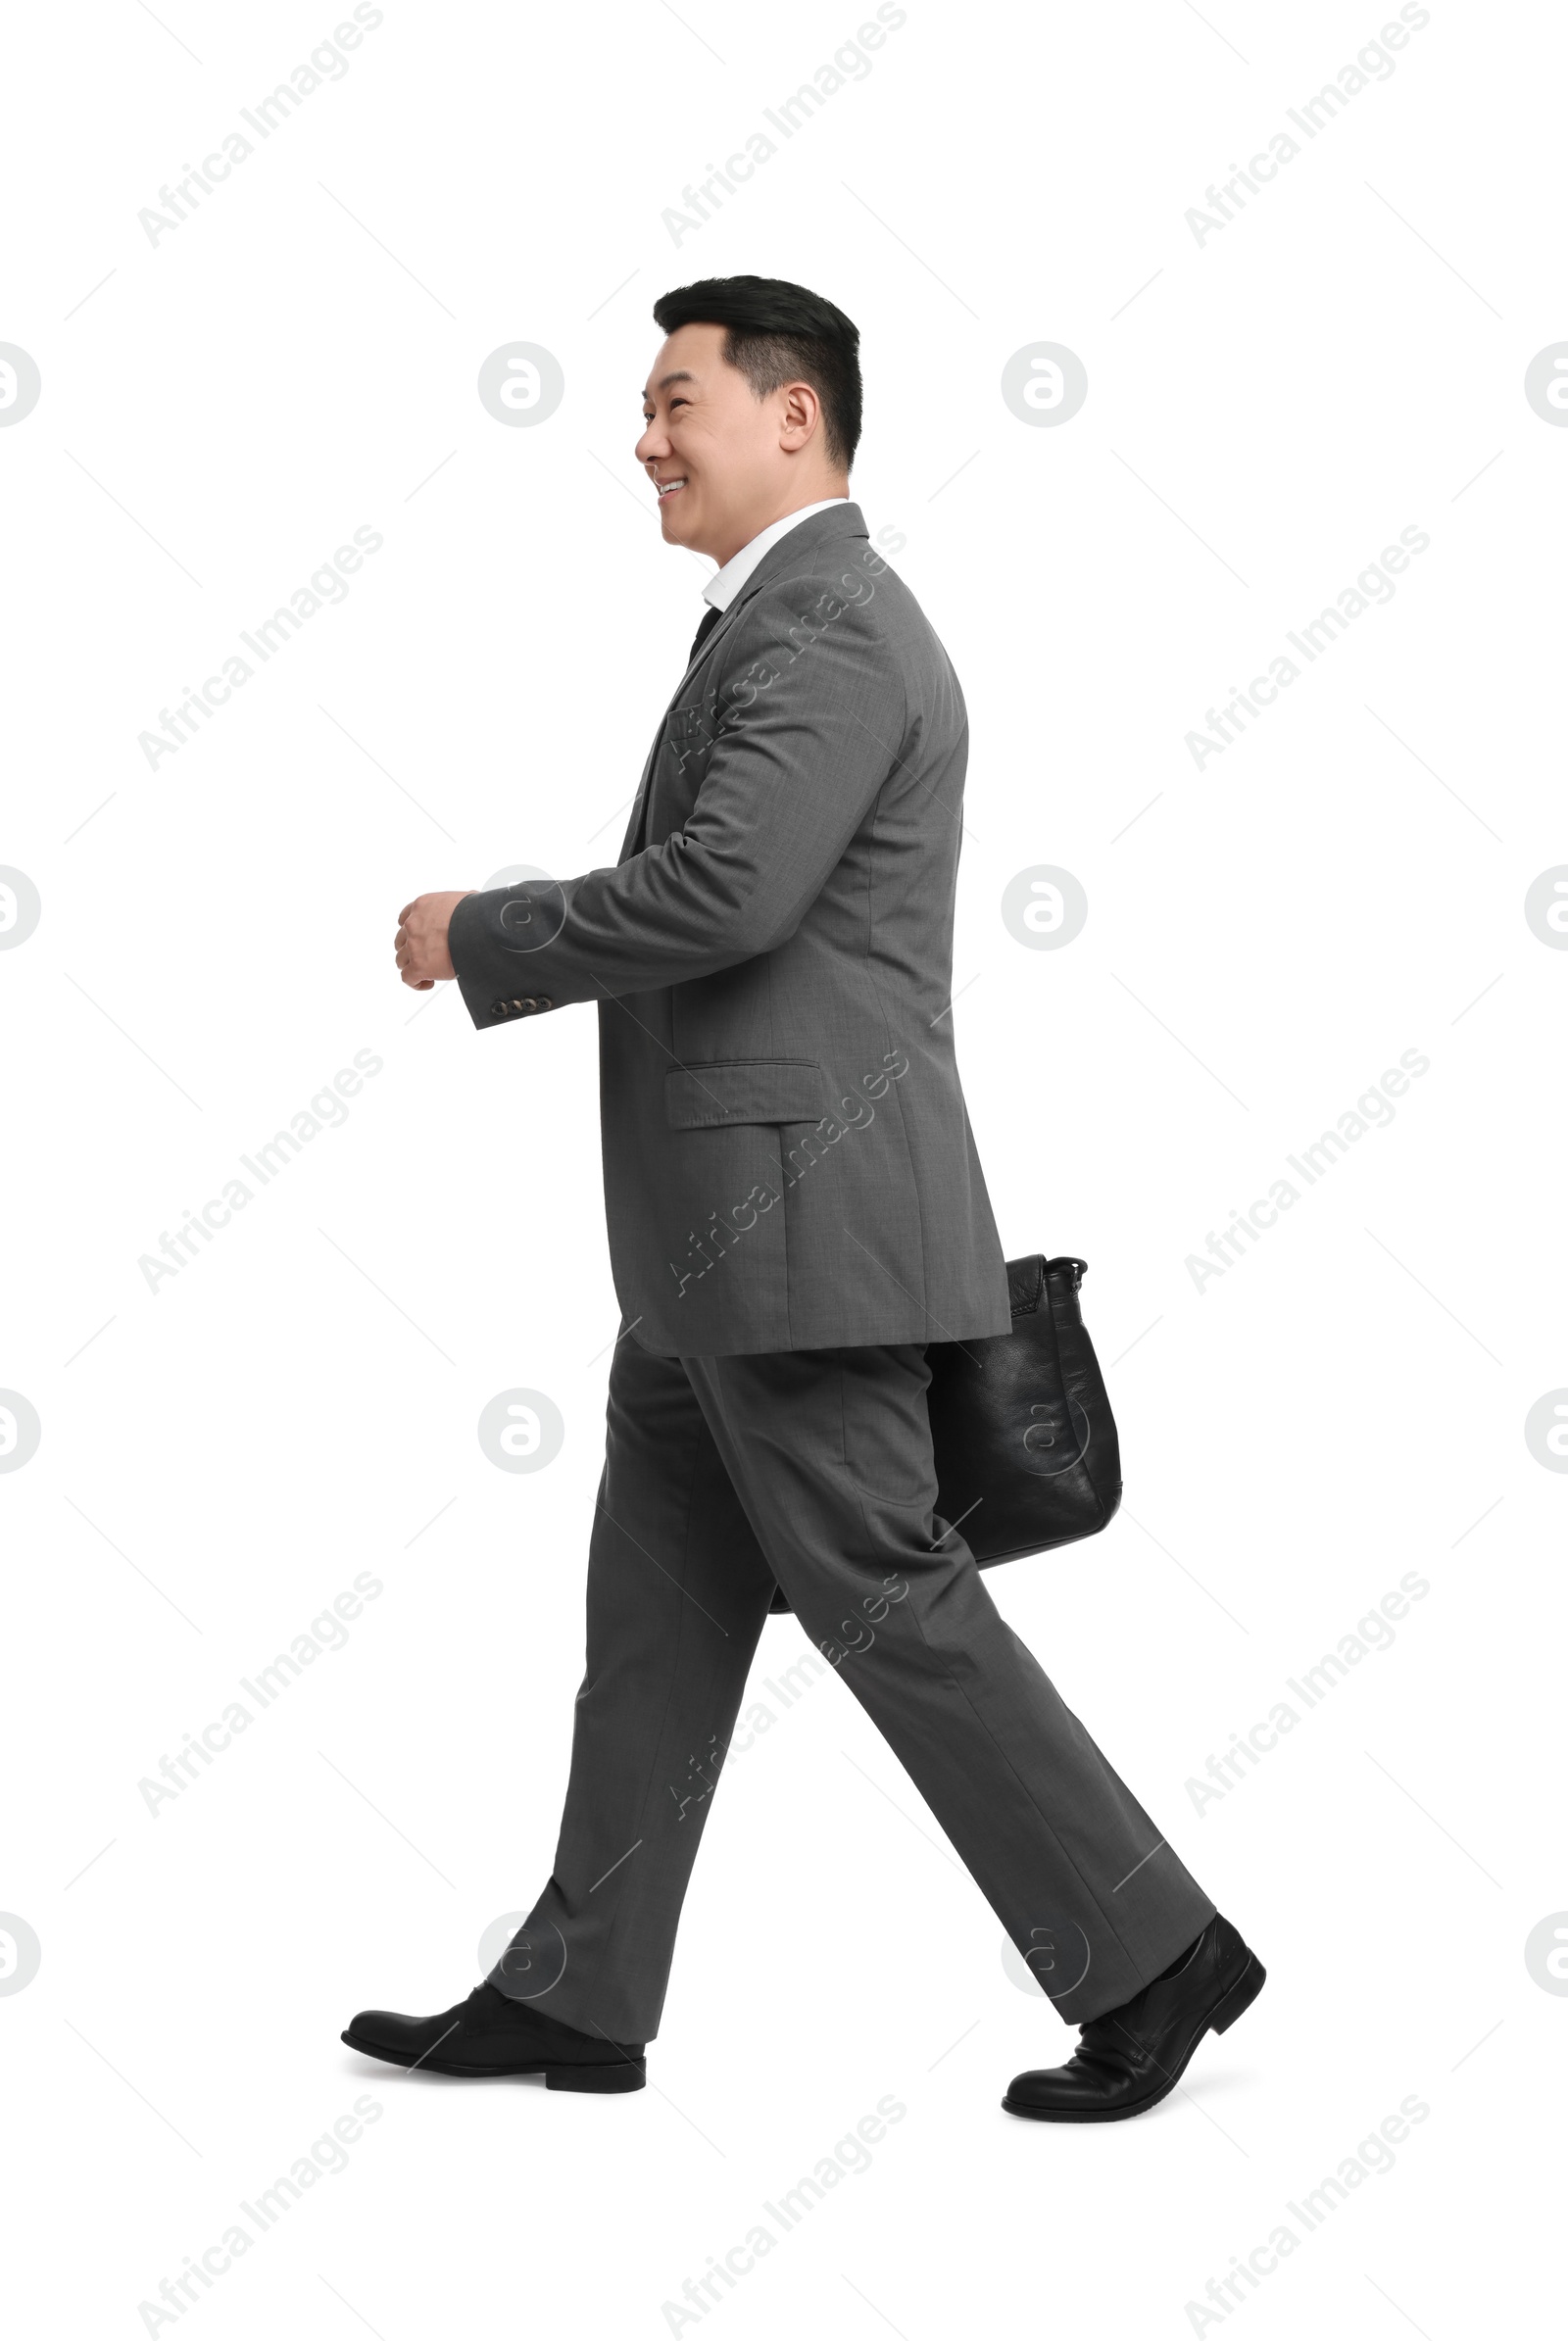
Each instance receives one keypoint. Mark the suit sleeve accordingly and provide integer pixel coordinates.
(810, 725)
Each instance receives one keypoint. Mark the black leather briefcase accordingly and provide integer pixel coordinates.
(1022, 1433)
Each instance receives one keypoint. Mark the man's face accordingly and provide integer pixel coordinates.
(710, 446)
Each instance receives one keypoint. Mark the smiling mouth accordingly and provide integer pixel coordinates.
(669, 487)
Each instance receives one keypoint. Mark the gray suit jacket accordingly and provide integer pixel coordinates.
(787, 1155)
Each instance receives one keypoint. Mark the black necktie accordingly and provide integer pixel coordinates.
(711, 618)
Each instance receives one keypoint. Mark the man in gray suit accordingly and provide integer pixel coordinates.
(796, 1208)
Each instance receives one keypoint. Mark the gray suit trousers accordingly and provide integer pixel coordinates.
(814, 1467)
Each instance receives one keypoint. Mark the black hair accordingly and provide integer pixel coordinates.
(776, 334)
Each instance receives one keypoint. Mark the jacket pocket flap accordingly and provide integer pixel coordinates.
(745, 1090)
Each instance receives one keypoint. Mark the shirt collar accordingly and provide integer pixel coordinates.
(725, 583)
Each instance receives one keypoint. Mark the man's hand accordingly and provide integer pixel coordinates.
(421, 938)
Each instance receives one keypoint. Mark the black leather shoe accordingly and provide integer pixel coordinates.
(1129, 2059)
(487, 2035)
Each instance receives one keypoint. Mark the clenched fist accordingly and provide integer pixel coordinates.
(421, 938)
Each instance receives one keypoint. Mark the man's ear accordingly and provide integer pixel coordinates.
(801, 412)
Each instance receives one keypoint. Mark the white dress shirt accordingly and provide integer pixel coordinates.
(725, 583)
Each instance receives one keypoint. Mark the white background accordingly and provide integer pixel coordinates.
(220, 1457)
